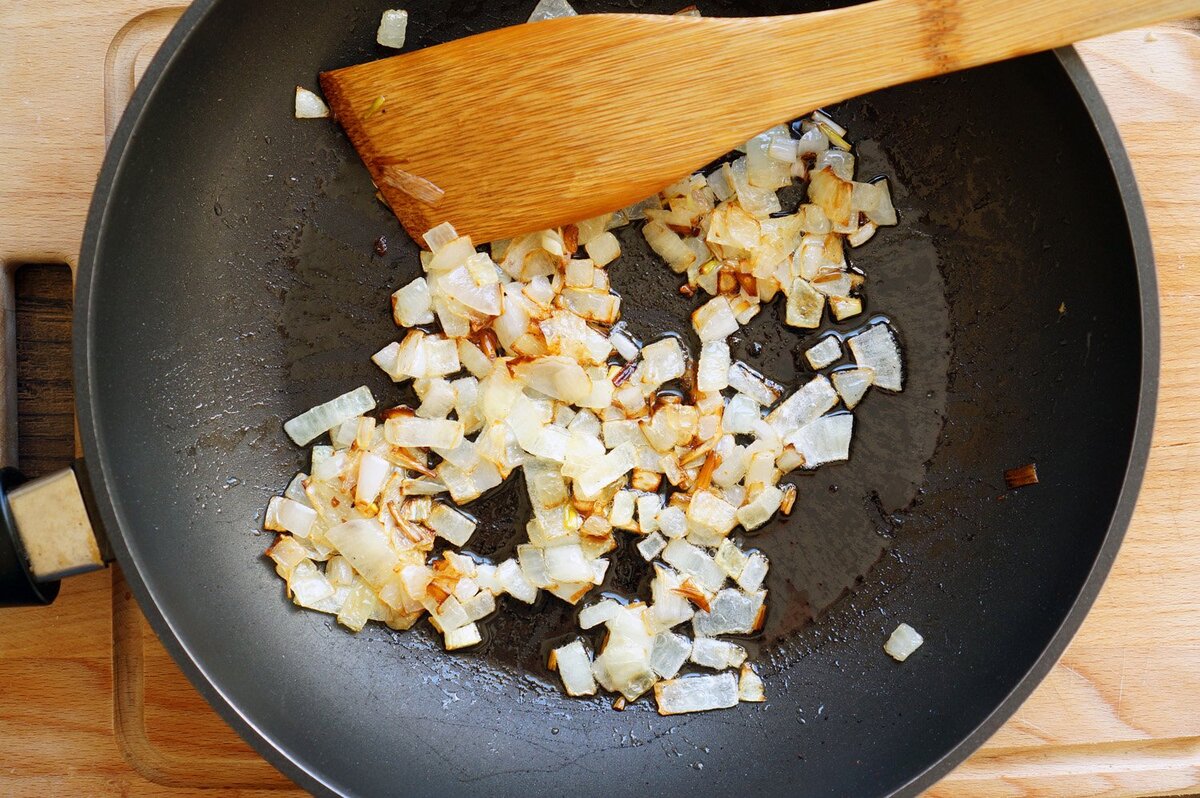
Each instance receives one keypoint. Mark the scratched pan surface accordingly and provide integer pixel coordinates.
(229, 280)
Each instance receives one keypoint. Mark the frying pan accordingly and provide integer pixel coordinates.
(230, 278)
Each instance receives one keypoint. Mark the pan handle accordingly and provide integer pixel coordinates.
(45, 530)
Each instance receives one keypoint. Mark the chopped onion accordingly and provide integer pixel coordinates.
(598, 613)
(824, 353)
(651, 546)
(287, 515)
(462, 637)
(534, 323)
(852, 384)
(717, 654)
(714, 320)
(574, 667)
(411, 431)
(694, 562)
(813, 400)
(668, 653)
(750, 383)
(312, 423)
(450, 524)
(730, 612)
(750, 686)
(903, 642)
(309, 105)
(603, 249)
(696, 694)
(392, 26)
(877, 349)
(712, 373)
(551, 9)
(824, 440)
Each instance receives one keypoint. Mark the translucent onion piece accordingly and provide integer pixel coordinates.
(750, 686)
(551, 9)
(828, 351)
(717, 654)
(575, 669)
(309, 105)
(312, 423)
(393, 25)
(877, 349)
(903, 642)
(696, 694)
(825, 440)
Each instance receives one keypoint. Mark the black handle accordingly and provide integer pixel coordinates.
(18, 588)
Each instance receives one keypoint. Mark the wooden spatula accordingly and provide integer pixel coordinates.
(548, 123)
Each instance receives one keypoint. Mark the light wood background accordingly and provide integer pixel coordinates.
(91, 705)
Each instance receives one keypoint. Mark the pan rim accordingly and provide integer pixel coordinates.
(310, 779)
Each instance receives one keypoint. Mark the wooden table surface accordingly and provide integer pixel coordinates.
(91, 705)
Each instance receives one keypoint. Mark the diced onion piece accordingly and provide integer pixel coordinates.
(365, 543)
(600, 612)
(710, 513)
(312, 423)
(551, 9)
(393, 25)
(730, 612)
(309, 105)
(668, 653)
(712, 373)
(884, 213)
(759, 511)
(287, 515)
(607, 470)
(822, 117)
(672, 522)
(903, 642)
(566, 563)
(753, 572)
(668, 245)
(439, 237)
(825, 440)
(373, 471)
(410, 431)
(662, 361)
(574, 667)
(451, 524)
(804, 305)
(747, 381)
(813, 400)
(514, 581)
(862, 235)
(696, 694)
(714, 320)
(462, 637)
(852, 384)
(651, 546)
(308, 586)
(694, 562)
(730, 558)
(717, 654)
(877, 349)
(827, 351)
(626, 346)
(750, 686)
(603, 249)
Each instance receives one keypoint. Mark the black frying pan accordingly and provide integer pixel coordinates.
(229, 280)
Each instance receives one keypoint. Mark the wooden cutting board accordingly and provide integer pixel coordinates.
(92, 705)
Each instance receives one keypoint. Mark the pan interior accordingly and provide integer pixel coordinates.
(235, 283)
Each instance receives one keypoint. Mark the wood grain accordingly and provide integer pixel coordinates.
(92, 704)
(592, 113)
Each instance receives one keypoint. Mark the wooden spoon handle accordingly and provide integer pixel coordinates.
(889, 42)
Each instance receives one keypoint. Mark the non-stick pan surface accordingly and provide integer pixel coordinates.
(230, 279)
